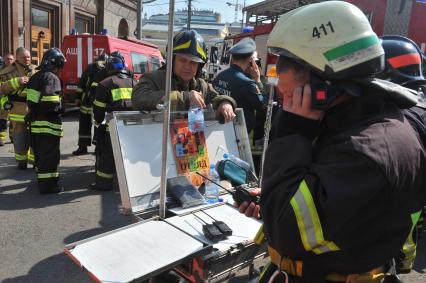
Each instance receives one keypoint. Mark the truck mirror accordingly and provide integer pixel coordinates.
(213, 54)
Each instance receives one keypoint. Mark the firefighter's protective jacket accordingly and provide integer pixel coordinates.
(11, 86)
(340, 199)
(97, 78)
(87, 78)
(150, 92)
(44, 99)
(113, 94)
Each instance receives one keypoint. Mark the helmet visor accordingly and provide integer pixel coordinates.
(190, 57)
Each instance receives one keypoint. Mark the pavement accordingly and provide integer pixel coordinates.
(35, 228)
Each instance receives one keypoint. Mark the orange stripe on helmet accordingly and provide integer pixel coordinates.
(405, 60)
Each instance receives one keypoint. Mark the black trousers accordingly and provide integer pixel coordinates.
(47, 156)
(3, 129)
(85, 121)
(105, 166)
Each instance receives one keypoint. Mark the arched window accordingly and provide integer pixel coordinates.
(123, 28)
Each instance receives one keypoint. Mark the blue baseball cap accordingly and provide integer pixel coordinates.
(244, 46)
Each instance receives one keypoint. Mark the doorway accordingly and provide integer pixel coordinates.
(41, 32)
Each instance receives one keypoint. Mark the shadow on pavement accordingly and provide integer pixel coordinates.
(57, 268)
(25, 194)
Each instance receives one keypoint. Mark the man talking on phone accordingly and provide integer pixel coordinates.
(346, 172)
(242, 81)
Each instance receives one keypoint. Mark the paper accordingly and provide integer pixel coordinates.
(131, 253)
(244, 228)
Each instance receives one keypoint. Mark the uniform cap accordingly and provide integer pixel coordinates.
(245, 46)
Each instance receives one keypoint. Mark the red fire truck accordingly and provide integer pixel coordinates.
(406, 18)
(80, 50)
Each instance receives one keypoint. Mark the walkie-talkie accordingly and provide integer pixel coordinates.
(240, 193)
(222, 226)
(211, 231)
(322, 93)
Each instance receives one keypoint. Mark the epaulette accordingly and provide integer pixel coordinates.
(8, 69)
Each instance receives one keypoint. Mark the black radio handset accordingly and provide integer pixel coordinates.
(240, 194)
(322, 93)
(29, 71)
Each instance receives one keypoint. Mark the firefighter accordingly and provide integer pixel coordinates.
(242, 81)
(187, 86)
(85, 100)
(404, 66)
(346, 170)
(7, 60)
(14, 79)
(112, 94)
(44, 99)
(3, 119)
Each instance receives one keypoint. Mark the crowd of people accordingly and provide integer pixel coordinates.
(343, 192)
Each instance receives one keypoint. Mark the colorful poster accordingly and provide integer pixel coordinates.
(189, 150)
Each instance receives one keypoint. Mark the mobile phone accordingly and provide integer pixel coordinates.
(258, 62)
(322, 93)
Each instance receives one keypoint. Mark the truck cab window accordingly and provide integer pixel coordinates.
(140, 63)
(155, 63)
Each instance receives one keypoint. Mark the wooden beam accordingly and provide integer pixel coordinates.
(14, 26)
(27, 21)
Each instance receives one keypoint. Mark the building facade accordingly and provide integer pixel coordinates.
(181, 17)
(205, 22)
(41, 24)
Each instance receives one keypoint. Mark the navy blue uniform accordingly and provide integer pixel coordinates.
(236, 83)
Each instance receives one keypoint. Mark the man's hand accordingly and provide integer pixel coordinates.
(250, 209)
(254, 71)
(225, 109)
(77, 101)
(301, 104)
(196, 98)
(23, 80)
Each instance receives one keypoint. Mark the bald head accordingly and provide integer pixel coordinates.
(23, 56)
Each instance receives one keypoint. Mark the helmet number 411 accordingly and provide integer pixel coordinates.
(322, 30)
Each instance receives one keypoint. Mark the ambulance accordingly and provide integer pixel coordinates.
(80, 50)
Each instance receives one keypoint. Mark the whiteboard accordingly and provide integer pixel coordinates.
(137, 152)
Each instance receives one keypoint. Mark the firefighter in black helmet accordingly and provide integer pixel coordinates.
(85, 101)
(404, 66)
(112, 94)
(187, 86)
(44, 99)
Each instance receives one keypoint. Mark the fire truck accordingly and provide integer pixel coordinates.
(80, 50)
(219, 52)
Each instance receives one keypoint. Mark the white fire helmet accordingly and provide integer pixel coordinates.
(333, 39)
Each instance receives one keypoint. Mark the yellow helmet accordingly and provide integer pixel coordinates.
(333, 38)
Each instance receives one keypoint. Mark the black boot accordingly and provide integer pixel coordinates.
(22, 165)
(95, 187)
(80, 150)
(54, 190)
